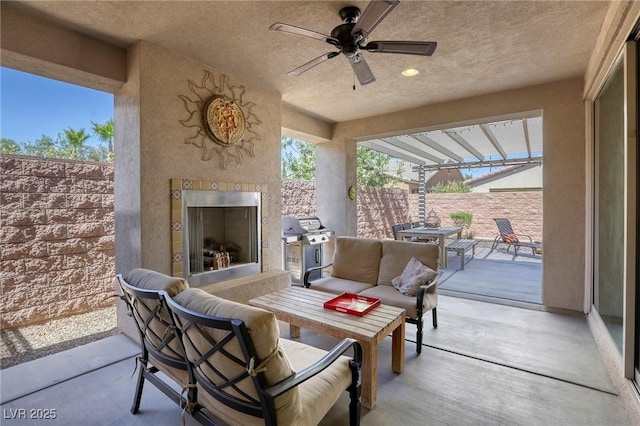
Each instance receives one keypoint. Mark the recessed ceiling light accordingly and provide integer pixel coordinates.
(410, 72)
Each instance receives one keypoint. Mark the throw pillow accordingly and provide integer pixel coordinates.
(414, 275)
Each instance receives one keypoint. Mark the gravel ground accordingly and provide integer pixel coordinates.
(35, 341)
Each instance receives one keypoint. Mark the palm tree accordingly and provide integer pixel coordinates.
(75, 140)
(104, 132)
(9, 146)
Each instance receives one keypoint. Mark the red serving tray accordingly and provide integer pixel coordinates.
(352, 304)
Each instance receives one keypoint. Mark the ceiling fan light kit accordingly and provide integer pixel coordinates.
(351, 37)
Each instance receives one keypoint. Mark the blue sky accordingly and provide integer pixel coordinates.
(32, 106)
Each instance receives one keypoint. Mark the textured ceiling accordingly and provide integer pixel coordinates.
(483, 46)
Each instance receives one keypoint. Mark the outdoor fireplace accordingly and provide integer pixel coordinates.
(220, 235)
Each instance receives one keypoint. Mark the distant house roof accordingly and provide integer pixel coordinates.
(504, 171)
(409, 175)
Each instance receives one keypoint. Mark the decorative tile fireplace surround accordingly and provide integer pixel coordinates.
(178, 222)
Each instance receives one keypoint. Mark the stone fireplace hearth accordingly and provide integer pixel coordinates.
(218, 255)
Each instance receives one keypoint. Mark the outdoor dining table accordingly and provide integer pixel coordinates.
(440, 233)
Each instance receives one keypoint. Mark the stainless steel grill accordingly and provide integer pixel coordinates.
(303, 241)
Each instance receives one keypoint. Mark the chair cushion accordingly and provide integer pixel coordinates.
(152, 280)
(264, 333)
(414, 275)
(338, 285)
(396, 255)
(357, 259)
(390, 296)
(317, 395)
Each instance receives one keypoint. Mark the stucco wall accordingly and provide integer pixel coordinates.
(563, 131)
(148, 113)
(57, 239)
(519, 178)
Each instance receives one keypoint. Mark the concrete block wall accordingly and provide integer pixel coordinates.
(523, 209)
(379, 209)
(57, 239)
(57, 254)
(298, 198)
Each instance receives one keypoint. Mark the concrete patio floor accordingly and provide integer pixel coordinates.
(485, 364)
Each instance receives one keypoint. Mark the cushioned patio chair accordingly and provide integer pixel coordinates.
(144, 292)
(246, 375)
(509, 237)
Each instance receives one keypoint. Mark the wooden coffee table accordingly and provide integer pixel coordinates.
(303, 308)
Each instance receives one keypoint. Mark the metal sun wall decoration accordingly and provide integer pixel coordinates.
(221, 121)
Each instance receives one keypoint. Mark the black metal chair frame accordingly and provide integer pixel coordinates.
(145, 306)
(395, 229)
(190, 323)
(419, 322)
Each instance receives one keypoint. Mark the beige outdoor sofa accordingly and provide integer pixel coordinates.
(368, 266)
(237, 370)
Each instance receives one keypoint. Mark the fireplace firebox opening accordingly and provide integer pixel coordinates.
(221, 235)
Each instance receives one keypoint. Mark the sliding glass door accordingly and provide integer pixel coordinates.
(615, 213)
(609, 195)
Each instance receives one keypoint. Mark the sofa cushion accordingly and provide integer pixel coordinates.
(357, 259)
(396, 255)
(414, 275)
(390, 296)
(152, 280)
(264, 332)
(338, 285)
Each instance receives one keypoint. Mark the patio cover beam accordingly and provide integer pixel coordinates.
(464, 144)
(494, 141)
(437, 147)
(525, 128)
(483, 163)
(385, 149)
(407, 147)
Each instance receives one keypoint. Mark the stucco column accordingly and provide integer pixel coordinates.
(128, 198)
(335, 172)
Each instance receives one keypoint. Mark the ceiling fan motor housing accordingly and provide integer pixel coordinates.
(350, 14)
(347, 43)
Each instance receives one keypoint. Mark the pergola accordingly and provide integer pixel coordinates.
(506, 142)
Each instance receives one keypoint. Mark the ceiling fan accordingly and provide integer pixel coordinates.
(352, 36)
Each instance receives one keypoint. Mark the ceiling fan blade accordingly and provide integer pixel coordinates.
(279, 26)
(375, 13)
(361, 69)
(312, 63)
(424, 48)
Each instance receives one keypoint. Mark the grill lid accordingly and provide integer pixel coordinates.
(301, 225)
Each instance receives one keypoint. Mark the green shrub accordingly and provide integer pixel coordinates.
(451, 186)
(463, 219)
